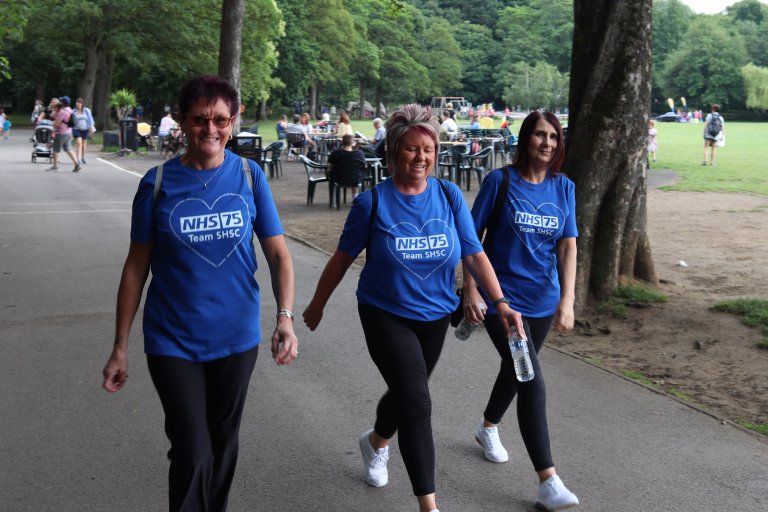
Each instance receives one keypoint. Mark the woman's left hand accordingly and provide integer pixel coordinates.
(285, 344)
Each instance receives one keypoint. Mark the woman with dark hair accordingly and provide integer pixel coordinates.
(533, 251)
(194, 218)
(83, 128)
(415, 232)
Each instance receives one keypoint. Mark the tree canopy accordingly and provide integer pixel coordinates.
(329, 52)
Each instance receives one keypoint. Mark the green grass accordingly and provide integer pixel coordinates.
(760, 428)
(639, 377)
(682, 396)
(629, 294)
(740, 164)
(754, 313)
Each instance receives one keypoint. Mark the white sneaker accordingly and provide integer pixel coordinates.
(554, 495)
(374, 461)
(488, 438)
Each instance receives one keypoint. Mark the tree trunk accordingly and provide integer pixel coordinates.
(313, 99)
(262, 112)
(230, 46)
(102, 90)
(93, 48)
(379, 113)
(607, 138)
(361, 99)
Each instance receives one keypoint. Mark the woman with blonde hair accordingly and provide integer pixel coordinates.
(405, 297)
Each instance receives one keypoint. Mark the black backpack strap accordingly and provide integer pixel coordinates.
(498, 204)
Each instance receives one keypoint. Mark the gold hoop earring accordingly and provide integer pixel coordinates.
(230, 135)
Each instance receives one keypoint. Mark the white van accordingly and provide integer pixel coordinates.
(459, 104)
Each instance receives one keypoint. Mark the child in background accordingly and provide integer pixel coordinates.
(652, 146)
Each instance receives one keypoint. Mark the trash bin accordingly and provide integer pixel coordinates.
(128, 134)
(246, 144)
(110, 139)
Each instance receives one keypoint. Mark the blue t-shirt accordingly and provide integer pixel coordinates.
(415, 244)
(203, 300)
(522, 251)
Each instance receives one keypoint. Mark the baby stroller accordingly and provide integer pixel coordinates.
(41, 143)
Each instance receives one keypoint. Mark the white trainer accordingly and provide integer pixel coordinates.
(554, 495)
(374, 461)
(488, 438)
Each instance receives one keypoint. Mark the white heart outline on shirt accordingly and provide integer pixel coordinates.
(511, 216)
(246, 229)
(419, 231)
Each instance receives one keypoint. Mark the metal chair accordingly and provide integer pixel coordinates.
(314, 176)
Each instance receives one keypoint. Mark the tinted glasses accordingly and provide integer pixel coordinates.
(218, 121)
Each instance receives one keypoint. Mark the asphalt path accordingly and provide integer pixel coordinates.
(67, 445)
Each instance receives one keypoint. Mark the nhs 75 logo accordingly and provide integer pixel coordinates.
(211, 221)
(421, 243)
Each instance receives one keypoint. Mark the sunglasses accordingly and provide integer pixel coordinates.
(218, 121)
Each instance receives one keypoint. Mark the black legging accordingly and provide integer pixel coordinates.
(405, 352)
(532, 400)
(203, 404)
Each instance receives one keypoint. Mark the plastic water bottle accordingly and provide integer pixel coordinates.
(521, 357)
(464, 329)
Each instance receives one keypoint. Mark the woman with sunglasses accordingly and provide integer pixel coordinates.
(193, 222)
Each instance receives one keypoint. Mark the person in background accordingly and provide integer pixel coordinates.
(449, 125)
(62, 140)
(306, 125)
(380, 133)
(714, 131)
(325, 122)
(652, 146)
(3, 120)
(282, 123)
(36, 111)
(83, 128)
(344, 126)
(537, 270)
(405, 303)
(202, 327)
(340, 159)
(475, 124)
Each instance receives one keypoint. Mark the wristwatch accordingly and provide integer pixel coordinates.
(285, 312)
(499, 301)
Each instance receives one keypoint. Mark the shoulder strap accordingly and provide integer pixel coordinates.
(159, 178)
(247, 171)
(158, 182)
(498, 204)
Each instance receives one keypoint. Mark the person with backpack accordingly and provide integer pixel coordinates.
(415, 229)
(194, 223)
(714, 132)
(531, 243)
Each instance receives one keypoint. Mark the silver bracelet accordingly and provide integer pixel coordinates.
(285, 312)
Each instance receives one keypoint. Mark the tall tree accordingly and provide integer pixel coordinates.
(606, 158)
(231, 46)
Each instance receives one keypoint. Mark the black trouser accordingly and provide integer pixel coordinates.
(203, 404)
(405, 352)
(532, 395)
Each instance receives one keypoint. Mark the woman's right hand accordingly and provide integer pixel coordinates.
(115, 371)
(312, 316)
(474, 305)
